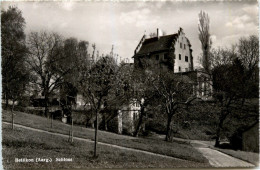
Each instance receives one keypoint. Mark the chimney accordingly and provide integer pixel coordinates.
(159, 33)
(180, 31)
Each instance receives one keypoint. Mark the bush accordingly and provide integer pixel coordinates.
(19, 108)
(236, 140)
(112, 125)
(155, 126)
(24, 102)
(80, 116)
(127, 132)
(36, 112)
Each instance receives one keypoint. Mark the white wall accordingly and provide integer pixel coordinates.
(184, 52)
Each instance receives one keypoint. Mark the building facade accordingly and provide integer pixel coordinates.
(128, 115)
(171, 52)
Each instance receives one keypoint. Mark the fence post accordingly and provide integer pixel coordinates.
(12, 120)
(69, 135)
(51, 120)
(71, 129)
(13, 116)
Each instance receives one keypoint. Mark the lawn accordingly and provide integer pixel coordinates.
(23, 143)
(246, 156)
(176, 149)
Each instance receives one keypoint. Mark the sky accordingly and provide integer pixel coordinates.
(123, 24)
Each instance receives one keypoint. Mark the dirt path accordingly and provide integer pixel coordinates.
(216, 158)
(99, 143)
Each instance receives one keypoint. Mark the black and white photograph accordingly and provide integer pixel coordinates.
(129, 84)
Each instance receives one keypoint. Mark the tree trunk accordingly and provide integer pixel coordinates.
(105, 122)
(46, 109)
(217, 142)
(96, 134)
(140, 121)
(51, 120)
(71, 129)
(168, 128)
(6, 102)
(13, 115)
(220, 125)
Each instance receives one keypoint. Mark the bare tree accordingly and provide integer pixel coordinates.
(204, 37)
(119, 93)
(248, 51)
(223, 56)
(143, 94)
(175, 93)
(233, 80)
(47, 63)
(96, 87)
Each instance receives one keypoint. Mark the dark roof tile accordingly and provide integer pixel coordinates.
(155, 44)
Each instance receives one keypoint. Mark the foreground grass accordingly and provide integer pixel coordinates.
(23, 143)
(246, 156)
(176, 149)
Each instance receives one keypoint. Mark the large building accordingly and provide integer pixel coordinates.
(165, 51)
(172, 53)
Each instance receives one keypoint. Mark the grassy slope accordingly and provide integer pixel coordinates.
(22, 143)
(175, 149)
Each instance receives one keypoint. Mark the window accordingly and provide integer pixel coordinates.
(180, 45)
(205, 88)
(157, 57)
(186, 69)
(186, 59)
(179, 68)
(179, 56)
(135, 116)
(174, 57)
(184, 46)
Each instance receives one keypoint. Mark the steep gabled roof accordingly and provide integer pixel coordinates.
(156, 45)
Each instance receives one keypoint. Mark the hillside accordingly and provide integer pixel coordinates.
(24, 143)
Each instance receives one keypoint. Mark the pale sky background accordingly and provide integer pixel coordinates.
(124, 23)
